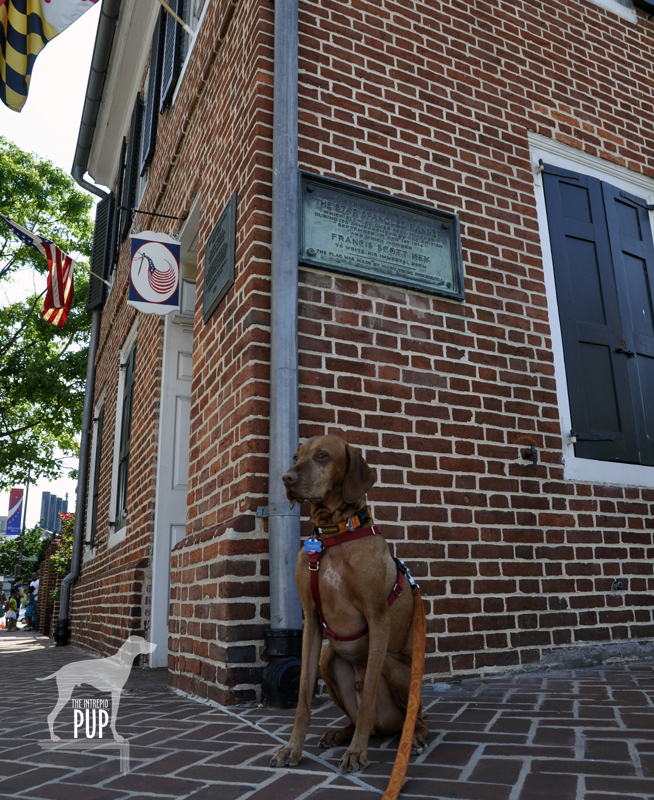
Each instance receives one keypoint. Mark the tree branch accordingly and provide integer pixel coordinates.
(4, 348)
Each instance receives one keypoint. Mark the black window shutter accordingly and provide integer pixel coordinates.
(597, 376)
(171, 54)
(96, 477)
(100, 253)
(118, 214)
(125, 434)
(151, 113)
(131, 167)
(632, 249)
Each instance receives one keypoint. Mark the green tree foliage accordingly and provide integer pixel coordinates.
(33, 551)
(62, 559)
(42, 367)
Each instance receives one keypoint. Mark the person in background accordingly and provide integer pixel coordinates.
(30, 611)
(34, 586)
(18, 588)
(11, 610)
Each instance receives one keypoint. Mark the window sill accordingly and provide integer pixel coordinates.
(586, 470)
(116, 537)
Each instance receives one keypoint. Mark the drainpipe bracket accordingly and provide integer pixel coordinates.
(278, 510)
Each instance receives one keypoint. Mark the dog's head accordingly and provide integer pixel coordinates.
(137, 645)
(327, 470)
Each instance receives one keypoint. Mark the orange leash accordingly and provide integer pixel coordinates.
(413, 703)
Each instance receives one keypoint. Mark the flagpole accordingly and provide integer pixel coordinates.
(181, 21)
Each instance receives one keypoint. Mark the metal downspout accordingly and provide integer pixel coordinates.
(61, 633)
(284, 638)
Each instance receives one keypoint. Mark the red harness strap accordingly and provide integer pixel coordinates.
(314, 566)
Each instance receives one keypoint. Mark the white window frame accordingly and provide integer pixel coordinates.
(117, 536)
(89, 552)
(189, 48)
(617, 8)
(559, 155)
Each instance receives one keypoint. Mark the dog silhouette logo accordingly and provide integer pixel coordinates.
(106, 675)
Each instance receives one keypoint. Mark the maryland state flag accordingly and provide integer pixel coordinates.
(60, 287)
(26, 26)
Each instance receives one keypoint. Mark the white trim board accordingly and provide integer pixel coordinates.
(91, 484)
(617, 8)
(559, 155)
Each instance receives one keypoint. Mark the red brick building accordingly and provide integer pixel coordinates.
(532, 123)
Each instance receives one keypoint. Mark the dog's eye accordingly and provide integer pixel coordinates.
(322, 456)
(295, 458)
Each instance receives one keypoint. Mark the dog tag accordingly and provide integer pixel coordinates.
(313, 546)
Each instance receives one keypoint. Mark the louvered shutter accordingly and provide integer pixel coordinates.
(100, 253)
(597, 376)
(151, 113)
(632, 250)
(118, 214)
(131, 167)
(125, 435)
(171, 54)
(96, 477)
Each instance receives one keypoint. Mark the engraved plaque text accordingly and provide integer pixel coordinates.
(379, 237)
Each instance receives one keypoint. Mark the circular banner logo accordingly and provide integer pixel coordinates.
(155, 272)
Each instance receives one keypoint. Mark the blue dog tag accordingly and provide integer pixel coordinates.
(313, 546)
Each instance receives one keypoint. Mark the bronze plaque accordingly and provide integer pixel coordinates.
(379, 237)
(219, 256)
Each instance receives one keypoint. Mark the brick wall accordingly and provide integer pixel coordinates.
(219, 585)
(48, 582)
(432, 101)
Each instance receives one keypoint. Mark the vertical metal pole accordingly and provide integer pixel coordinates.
(284, 524)
(61, 633)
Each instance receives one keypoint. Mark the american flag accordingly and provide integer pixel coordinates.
(60, 289)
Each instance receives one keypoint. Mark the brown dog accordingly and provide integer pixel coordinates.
(367, 678)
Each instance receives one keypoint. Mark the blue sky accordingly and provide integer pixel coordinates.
(48, 126)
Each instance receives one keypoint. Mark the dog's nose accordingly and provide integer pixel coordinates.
(289, 478)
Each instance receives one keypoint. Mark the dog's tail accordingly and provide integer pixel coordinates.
(47, 677)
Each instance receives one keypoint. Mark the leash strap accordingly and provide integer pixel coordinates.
(314, 566)
(413, 704)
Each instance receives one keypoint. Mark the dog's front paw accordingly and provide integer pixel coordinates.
(353, 761)
(419, 743)
(335, 736)
(286, 757)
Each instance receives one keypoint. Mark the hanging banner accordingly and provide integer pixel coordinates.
(15, 516)
(154, 283)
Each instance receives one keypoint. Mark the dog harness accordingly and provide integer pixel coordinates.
(347, 531)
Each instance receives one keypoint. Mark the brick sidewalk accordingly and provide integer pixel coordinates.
(576, 735)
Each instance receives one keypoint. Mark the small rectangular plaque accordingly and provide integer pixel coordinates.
(219, 258)
(381, 238)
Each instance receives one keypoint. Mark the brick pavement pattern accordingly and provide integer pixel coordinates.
(583, 734)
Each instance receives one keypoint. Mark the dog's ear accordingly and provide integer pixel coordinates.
(359, 479)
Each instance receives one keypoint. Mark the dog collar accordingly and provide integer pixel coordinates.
(361, 518)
